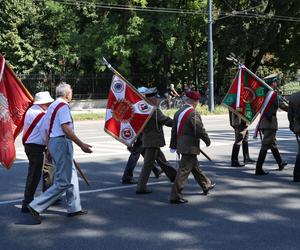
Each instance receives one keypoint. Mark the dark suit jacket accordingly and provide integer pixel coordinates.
(294, 112)
(153, 134)
(236, 121)
(269, 120)
(188, 142)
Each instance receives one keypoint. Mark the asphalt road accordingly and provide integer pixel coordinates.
(244, 211)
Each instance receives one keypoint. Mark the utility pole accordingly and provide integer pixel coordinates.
(211, 104)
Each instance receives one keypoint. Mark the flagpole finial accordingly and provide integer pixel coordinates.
(105, 62)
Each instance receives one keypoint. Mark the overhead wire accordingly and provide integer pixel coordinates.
(222, 15)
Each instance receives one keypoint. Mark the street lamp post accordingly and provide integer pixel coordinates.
(210, 60)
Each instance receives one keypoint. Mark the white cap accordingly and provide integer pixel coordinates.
(142, 90)
(42, 98)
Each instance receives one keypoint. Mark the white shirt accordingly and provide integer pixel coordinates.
(31, 114)
(62, 116)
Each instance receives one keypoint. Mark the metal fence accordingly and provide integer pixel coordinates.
(84, 87)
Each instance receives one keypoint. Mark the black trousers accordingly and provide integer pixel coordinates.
(35, 155)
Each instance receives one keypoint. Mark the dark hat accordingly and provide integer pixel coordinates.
(271, 78)
(150, 92)
(195, 95)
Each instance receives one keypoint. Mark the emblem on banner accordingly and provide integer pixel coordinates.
(118, 86)
(122, 111)
(4, 113)
(127, 133)
(143, 107)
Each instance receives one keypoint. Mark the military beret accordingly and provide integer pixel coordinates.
(195, 95)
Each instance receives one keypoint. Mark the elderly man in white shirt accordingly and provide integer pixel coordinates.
(34, 146)
(59, 129)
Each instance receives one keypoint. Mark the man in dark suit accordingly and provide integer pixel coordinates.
(294, 119)
(241, 137)
(269, 126)
(153, 140)
(135, 152)
(187, 131)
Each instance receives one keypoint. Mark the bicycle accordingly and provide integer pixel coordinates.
(176, 103)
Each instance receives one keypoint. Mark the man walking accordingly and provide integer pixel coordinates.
(153, 139)
(186, 133)
(58, 125)
(294, 119)
(241, 138)
(269, 126)
(34, 146)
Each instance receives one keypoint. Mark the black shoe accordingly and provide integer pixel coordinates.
(237, 164)
(179, 201)
(146, 191)
(249, 161)
(35, 215)
(261, 172)
(282, 165)
(129, 182)
(24, 209)
(78, 213)
(205, 191)
(158, 173)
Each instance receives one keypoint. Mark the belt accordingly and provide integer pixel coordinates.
(35, 145)
(60, 136)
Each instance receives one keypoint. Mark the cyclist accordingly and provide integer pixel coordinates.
(171, 93)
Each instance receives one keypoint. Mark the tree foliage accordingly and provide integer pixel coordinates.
(149, 48)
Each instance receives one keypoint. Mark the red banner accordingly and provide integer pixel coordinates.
(246, 95)
(14, 101)
(127, 111)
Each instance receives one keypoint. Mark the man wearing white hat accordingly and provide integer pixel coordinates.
(34, 145)
(59, 129)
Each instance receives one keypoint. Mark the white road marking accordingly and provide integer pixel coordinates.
(94, 191)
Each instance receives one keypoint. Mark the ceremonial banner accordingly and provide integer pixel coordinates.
(14, 102)
(127, 111)
(246, 95)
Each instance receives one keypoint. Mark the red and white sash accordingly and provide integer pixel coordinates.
(32, 126)
(268, 102)
(182, 118)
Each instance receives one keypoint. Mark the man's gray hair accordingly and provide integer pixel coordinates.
(63, 89)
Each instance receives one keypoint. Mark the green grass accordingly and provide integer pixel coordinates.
(203, 110)
(88, 116)
(291, 88)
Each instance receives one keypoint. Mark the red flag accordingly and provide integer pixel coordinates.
(127, 111)
(14, 101)
(246, 95)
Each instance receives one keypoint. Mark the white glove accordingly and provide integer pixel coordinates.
(172, 150)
